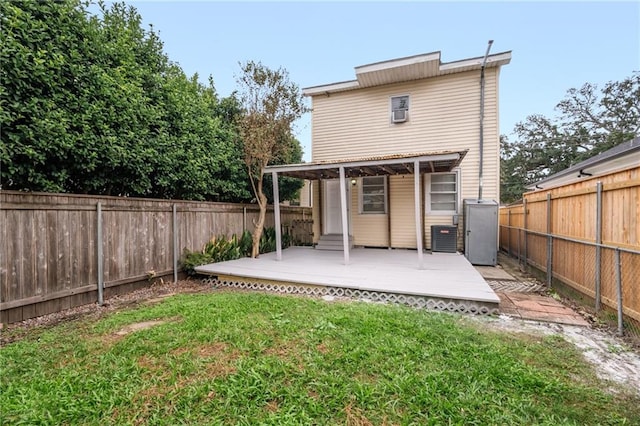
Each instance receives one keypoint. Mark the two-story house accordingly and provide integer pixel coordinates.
(404, 139)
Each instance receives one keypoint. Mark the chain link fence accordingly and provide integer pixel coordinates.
(604, 279)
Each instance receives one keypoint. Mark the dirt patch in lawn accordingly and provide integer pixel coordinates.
(355, 416)
(611, 357)
(152, 294)
(215, 360)
(137, 327)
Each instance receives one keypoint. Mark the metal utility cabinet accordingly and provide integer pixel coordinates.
(481, 231)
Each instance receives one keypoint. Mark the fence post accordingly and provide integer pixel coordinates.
(174, 215)
(549, 243)
(100, 256)
(244, 219)
(619, 292)
(598, 242)
(526, 261)
(509, 230)
(519, 246)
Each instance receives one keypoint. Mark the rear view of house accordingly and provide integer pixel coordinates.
(406, 135)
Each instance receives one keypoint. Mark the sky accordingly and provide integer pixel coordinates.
(555, 45)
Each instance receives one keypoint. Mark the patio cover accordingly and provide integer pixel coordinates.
(395, 164)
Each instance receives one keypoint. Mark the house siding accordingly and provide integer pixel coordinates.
(402, 208)
(443, 116)
(369, 230)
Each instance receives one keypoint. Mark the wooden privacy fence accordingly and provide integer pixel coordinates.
(55, 249)
(585, 235)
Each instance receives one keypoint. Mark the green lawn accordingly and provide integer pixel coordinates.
(242, 358)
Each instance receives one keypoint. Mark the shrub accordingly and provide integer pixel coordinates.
(221, 249)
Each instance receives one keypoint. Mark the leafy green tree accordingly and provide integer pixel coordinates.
(288, 187)
(91, 104)
(271, 103)
(79, 98)
(590, 121)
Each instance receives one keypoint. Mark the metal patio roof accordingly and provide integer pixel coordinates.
(396, 164)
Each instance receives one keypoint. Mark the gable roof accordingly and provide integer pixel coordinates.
(407, 69)
(619, 157)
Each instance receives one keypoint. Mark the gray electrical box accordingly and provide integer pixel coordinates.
(481, 231)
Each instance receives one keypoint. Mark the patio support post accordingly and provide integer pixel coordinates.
(276, 215)
(343, 210)
(418, 210)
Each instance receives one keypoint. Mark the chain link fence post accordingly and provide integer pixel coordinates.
(598, 283)
(100, 254)
(549, 243)
(526, 261)
(509, 232)
(174, 216)
(619, 292)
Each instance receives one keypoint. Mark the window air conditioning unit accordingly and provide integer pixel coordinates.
(399, 115)
(444, 238)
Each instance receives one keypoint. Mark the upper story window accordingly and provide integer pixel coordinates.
(373, 195)
(399, 109)
(442, 192)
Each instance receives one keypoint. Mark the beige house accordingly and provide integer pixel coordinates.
(404, 139)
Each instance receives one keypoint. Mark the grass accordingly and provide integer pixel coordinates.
(241, 358)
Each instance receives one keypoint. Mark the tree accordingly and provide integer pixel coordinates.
(271, 103)
(91, 104)
(288, 187)
(590, 121)
(80, 98)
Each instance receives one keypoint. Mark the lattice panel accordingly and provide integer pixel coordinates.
(516, 286)
(421, 302)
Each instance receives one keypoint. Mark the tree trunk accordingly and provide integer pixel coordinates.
(259, 225)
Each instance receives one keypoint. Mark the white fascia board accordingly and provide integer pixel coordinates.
(497, 59)
(362, 163)
(395, 63)
(329, 88)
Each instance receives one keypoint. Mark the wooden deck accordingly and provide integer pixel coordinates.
(447, 282)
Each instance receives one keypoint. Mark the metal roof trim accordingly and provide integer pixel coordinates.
(616, 152)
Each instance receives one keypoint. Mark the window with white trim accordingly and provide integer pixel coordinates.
(399, 108)
(373, 195)
(442, 193)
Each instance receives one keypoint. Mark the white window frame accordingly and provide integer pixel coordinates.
(408, 96)
(361, 196)
(427, 194)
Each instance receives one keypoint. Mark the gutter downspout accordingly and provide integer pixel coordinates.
(484, 62)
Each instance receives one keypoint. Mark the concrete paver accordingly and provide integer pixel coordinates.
(494, 273)
(538, 308)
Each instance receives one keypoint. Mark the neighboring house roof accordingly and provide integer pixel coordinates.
(407, 69)
(620, 157)
(396, 164)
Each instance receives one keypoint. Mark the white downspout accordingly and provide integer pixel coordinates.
(484, 62)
